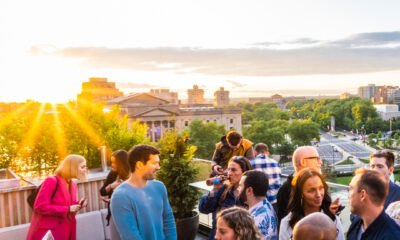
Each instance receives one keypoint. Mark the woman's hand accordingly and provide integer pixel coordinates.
(335, 205)
(83, 202)
(105, 199)
(74, 208)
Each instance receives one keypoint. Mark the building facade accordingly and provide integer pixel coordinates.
(221, 97)
(98, 90)
(172, 97)
(367, 92)
(160, 115)
(387, 111)
(195, 95)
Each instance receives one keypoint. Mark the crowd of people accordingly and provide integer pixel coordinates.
(249, 202)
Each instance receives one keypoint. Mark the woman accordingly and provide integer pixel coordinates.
(226, 194)
(118, 174)
(309, 194)
(57, 213)
(236, 223)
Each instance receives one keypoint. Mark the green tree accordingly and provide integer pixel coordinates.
(261, 131)
(285, 148)
(302, 132)
(176, 173)
(204, 136)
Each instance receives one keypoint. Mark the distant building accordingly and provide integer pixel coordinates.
(98, 89)
(383, 94)
(387, 111)
(278, 99)
(172, 97)
(367, 92)
(221, 97)
(161, 115)
(195, 95)
(395, 97)
(345, 95)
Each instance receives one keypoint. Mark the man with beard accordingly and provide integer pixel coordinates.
(140, 206)
(253, 187)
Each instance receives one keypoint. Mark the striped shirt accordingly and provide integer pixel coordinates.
(273, 171)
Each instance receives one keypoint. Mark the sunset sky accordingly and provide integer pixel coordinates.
(48, 48)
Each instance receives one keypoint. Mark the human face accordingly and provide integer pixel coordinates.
(313, 192)
(354, 195)
(234, 173)
(224, 232)
(379, 164)
(82, 170)
(151, 167)
(309, 158)
(242, 191)
(114, 163)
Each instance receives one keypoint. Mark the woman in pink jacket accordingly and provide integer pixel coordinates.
(57, 213)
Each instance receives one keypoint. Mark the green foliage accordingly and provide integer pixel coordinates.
(262, 131)
(176, 172)
(204, 136)
(285, 148)
(35, 145)
(301, 132)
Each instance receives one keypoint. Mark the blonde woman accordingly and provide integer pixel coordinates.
(236, 223)
(56, 212)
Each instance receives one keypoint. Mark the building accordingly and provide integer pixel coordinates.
(395, 97)
(345, 95)
(387, 111)
(98, 90)
(367, 92)
(276, 98)
(383, 94)
(161, 115)
(221, 97)
(195, 95)
(172, 97)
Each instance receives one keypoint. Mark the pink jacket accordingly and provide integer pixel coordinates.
(52, 214)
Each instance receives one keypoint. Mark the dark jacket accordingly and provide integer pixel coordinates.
(223, 152)
(393, 194)
(382, 228)
(214, 205)
(283, 198)
(111, 177)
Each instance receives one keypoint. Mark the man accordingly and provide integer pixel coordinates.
(140, 206)
(303, 157)
(269, 166)
(253, 188)
(383, 162)
(368, 190)
(316, 226)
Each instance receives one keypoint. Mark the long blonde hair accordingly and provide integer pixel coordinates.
(69, 167)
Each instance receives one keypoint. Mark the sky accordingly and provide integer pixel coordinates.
(252, 48)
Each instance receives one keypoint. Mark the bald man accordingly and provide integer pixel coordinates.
(303, 157)
(316, 226)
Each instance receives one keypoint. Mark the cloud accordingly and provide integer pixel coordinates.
(236, 84)
(136, 85)
(343, 56)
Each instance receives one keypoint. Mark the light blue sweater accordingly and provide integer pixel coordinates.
(143, 213)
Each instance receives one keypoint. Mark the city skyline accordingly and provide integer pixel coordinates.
(251, 49)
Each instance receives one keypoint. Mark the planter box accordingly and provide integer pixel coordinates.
(8, 179)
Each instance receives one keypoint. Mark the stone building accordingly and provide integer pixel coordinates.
(160, 114)
(98, 90)
(172, 97)
(195, 95)
(221, 97)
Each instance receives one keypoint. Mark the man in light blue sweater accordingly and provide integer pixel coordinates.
(140, 206)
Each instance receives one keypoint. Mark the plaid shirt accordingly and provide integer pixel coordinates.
(272, 169)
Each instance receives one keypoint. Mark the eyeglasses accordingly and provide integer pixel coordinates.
(312, 158)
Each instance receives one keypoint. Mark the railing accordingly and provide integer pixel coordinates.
(14, 209)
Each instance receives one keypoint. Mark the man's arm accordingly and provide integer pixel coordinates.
(124, 217)
(168, 219)
(249, 154)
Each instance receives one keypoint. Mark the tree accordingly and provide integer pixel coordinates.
(204, 136)
(176, 173)
(302, 132)
(261, 131)
(285, 148)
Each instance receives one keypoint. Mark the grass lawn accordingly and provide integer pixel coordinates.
(364, 160)
(346, 162)
(342, 180)
(204, 170)
(397, 176)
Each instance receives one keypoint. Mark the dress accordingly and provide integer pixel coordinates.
(52, 214)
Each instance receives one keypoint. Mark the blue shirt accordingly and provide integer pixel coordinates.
(143, 213)
(265, 219)
(213, 205)
(393, 194)
(273, 171)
